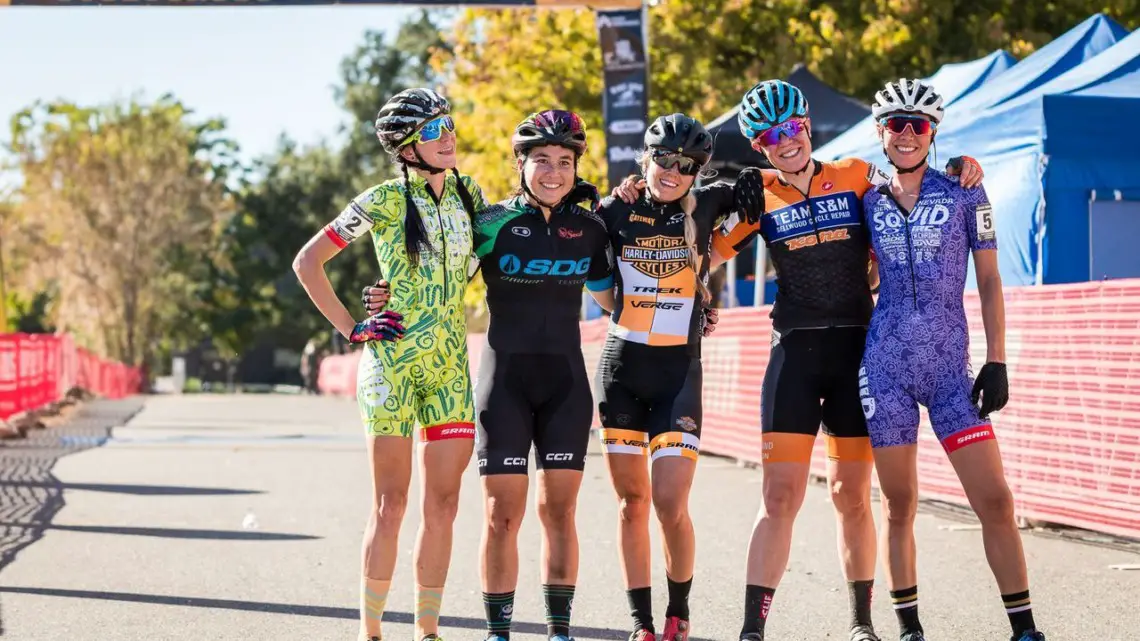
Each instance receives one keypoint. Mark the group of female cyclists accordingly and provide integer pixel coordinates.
(644, 253)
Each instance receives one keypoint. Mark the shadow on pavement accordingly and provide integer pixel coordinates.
(172, 533)
(138, 490)
(30, 495)
(304, 610)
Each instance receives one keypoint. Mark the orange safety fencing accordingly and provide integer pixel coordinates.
(1070, 436)
(37, 369)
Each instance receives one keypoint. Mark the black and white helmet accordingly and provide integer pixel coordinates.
(680, 134)
(907, 95)
(405, 113)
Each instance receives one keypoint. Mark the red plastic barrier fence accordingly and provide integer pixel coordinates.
(1070, 436)
(37, 369)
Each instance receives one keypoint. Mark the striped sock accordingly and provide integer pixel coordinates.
(559, 602)
(906, 609)
(500, 608)
(1020, 612)
(373, 597)
(428, 602)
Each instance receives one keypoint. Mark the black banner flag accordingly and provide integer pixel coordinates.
(625, 105)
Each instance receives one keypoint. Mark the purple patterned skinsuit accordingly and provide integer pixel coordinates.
(917, 348)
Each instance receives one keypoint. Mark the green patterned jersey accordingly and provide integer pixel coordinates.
(434, 289)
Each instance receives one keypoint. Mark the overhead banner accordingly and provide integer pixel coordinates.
(507, 4)
(625, 104)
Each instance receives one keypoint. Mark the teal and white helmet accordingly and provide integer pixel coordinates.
(768, 104)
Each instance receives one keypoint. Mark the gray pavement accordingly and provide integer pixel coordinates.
(136, 532)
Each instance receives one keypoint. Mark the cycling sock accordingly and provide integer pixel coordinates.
(906, 609)
(499, 608)
(859, 596)
(641, 608)
(757, 602)
(678, 598)
(428, 602)
(373, 597)
(1019, 611)
(559, 600)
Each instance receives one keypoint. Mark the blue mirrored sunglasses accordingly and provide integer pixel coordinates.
(432, 130)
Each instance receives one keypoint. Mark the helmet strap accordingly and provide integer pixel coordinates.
(420, 163)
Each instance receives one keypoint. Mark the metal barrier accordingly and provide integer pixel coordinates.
(1070, 436)
(37, 369)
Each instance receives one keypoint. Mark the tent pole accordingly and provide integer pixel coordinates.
(760, 272)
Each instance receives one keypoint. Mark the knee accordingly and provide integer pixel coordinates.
(849, 498)
(781, 500)
(634, 507)
(390, 512)
(503, 518)
(556, 515)
(671, 509)
(440, 507)
(994, 505)
(900, 507)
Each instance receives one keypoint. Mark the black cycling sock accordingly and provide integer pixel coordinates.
(906, 609)
(559, 599)
(499, 607)
(641, 608)
(859, 596)
(1019, 611)
(757, 602)
(678, 599)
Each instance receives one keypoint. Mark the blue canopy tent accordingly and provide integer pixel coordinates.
(1076, 46)
(954, 81)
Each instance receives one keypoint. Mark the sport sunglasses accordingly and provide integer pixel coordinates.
(771, 136)
(683, 164)
(919, 126)
(432, 130)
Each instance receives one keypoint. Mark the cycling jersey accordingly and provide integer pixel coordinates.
(649, 376)
(658, 302)
(532, 385)
(817, 244)
(535, 271)
(423, 376)
(918, 343)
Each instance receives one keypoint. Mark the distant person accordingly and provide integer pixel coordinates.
(924, 226)
(310, 367)
(414, 364)
(813, 226)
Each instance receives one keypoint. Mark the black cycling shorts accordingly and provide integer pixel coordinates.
(813, 378)
(649, 399)
(542, 399)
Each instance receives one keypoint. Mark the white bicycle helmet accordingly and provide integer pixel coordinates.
(908, 96)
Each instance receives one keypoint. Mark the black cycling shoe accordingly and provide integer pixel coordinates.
(864, 633)
(752, 636)
(1029, 635)
(912, 636)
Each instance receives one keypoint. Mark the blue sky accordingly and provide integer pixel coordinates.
(267, 70)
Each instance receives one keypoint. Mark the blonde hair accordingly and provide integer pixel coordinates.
(688, 205)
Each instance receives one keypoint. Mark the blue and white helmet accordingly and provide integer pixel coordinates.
(768, 104)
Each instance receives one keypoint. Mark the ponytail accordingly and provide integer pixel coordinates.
(689, 205)
(415, 234)
(464, 195)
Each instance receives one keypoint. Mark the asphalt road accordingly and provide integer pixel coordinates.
(113, 532)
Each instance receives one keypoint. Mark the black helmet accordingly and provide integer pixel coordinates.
(550, 127)
(681, 134)
(405, 113)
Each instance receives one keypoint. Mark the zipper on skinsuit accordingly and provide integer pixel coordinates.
(909, 248)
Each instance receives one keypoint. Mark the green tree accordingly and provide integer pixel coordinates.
(122, 203)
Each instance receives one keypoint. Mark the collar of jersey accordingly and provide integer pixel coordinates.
(930, 175)
(818, 171)
(420, 183)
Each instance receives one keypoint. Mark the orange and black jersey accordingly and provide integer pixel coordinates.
(818, 245)
(657, 299)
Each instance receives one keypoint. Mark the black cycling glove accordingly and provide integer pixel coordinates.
(993, 385)
(372, 309)
(748, 195)
(583, 191)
